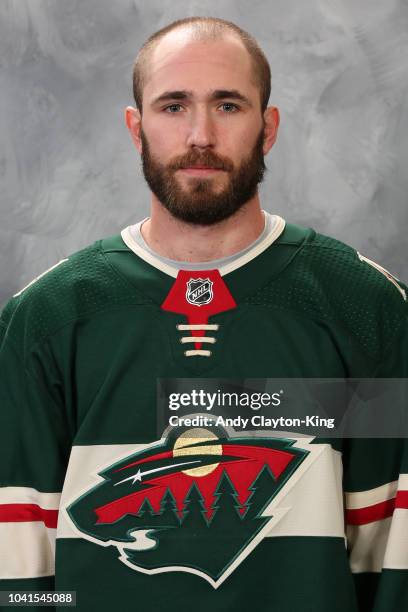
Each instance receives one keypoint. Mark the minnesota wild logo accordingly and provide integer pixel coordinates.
(199, 501)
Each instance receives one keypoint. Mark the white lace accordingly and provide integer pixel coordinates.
(203, 339)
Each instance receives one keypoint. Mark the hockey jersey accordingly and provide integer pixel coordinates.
(94, 499)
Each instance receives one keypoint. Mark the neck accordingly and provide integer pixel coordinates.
(175, 239)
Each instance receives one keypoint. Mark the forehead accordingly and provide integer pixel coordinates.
(179, 62)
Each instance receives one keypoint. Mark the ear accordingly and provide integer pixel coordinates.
(134, 124)
(272, 119)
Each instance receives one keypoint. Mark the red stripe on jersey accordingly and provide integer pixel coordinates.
(402, 499)
(376, 512)
(23, 513)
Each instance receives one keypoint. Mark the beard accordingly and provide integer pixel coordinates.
(203, 201)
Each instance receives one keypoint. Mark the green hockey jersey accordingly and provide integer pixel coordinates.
(94, 499)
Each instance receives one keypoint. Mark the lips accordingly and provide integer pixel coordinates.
(200, 170)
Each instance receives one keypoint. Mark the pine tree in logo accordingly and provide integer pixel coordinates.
(194, 512)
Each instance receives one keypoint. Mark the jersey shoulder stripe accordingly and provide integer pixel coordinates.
(393, 279)
(77, 286)
(61, 261)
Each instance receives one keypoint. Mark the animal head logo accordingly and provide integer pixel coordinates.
(196, 502)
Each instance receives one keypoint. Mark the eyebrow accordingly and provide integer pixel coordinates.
(217, 94)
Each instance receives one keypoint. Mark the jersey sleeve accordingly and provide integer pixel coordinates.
(34, 450)
(376, 502)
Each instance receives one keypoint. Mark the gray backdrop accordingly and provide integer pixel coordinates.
(69, 173)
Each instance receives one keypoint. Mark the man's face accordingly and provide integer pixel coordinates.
(200, 124)
(203, 199)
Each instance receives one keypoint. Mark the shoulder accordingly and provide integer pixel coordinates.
(331, 281)
(77, 286)
(331, 261)
(342, 268)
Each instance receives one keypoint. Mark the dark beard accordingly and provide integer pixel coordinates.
(201, 204)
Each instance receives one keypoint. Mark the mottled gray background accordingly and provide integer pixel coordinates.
(69, 173)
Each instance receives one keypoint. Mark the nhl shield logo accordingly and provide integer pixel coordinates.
(199, 291)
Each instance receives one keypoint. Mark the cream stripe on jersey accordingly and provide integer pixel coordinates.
(40, 275)
(28, 546)
(27, 495)
(27, 550)
(362, 499)
(368, 544)
(396, 554)
(380, 545)
(309, 504)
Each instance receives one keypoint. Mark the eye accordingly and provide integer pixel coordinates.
(171, 106)
(230, 104)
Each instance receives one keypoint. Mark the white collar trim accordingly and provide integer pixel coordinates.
(230, 267)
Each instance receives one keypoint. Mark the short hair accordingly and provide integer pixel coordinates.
(204, 28)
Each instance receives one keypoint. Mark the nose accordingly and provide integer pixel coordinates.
(202, 129)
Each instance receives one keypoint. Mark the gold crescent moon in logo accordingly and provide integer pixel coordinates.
(182, 447)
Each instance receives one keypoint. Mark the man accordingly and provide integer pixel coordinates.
(210, 286)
